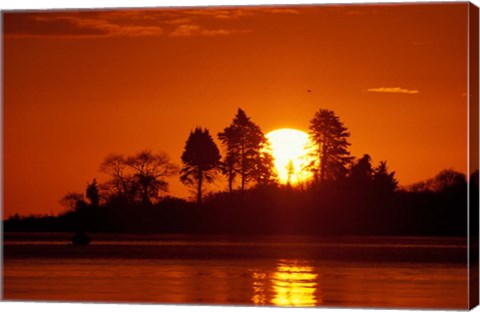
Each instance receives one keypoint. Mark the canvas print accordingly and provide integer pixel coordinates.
(295, 155)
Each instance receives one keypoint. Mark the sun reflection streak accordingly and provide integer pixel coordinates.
(294, 284)
(259, 288)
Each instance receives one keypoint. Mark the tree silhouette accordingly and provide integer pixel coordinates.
(361, 171)
(245, 146)
(372, 181)
(230, 163)
(448, 178)
(120, 184)
(262, 167)
(330, 135)
(227, 167)
(139, 177)
(93, 194)
(70, 201)
(445, 179)
(150, 173)
(384, 181)
(290, 171)
(201, 159)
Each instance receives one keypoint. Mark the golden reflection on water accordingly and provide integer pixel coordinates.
(260, 284)
(292, 284)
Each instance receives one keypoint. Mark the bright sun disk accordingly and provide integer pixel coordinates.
(290, 150)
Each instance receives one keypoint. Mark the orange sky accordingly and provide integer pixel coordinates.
(79, 85)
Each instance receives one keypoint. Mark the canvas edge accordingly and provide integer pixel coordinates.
(473, 162)
(473, 128)
(2, 182)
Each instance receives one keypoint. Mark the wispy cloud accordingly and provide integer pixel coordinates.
(393, 90)
(274, 10)
(107, 24)
(189, 30)
(353, 12)
(72, 25)
(233, 13)
(132, 23)
(177, 21)
(109, 28)
(237, 13)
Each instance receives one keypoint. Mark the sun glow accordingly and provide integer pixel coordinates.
(290, 150)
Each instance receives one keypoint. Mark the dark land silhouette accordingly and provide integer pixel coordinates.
(346, 195)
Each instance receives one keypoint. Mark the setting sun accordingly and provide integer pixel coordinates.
(290, 150)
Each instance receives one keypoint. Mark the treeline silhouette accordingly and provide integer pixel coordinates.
(346, 196)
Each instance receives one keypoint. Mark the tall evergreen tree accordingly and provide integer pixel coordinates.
(201, 159)
(93, 194)
(361, 171)
(230, 163)
(262, 172)
(290, 171)
(245, 146)
(383, 180)
(330, 135)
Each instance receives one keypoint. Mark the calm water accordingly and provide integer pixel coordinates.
(274, 271)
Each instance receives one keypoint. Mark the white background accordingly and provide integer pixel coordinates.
(77, 307)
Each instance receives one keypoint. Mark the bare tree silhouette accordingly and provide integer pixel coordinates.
(139, 177)
(70, 201)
